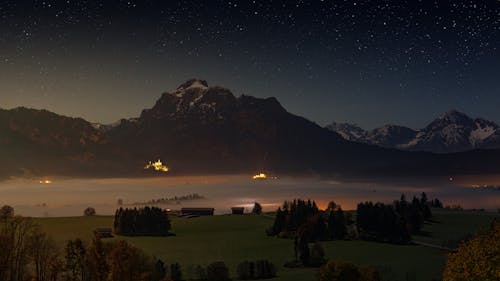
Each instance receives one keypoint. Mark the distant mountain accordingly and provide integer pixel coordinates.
(451, 132)
(41, 142)
(198, 129)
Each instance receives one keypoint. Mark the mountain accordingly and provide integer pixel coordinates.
(41, 142)
(351, 132)
(200, 129)
(451, 132)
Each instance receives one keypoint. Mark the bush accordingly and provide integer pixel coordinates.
(261, 269)
(89, 212)
(347, 271)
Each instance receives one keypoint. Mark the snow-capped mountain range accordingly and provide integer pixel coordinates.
(453, 131)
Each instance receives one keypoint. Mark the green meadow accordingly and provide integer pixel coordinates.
(233, 239)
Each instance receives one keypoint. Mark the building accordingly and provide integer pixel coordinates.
(197, 211)
(238, 210)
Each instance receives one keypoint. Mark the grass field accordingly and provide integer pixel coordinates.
(233, 239)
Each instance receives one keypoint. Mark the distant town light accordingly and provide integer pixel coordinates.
(157, 166)
(45, 181)
(260, 176)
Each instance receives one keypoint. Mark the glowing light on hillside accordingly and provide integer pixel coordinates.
(45, 181)
(157, 166)
(260, 176)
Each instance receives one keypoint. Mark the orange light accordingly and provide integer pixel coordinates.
(260, 176)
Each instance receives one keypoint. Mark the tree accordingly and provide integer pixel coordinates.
(6, 212)
(175, 272)
(42, 251)
(159, 271)
(125, 262)
(331, 206)
(16, 234)
(75, 252)
(89, 212)
(477, 258)
(97, 262)
(303, 248)
(257, 209)
(340, 229)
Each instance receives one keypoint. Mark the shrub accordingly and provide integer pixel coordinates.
(317, 258)
(217, 271)
(338, 270)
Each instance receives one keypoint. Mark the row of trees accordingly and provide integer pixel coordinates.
(147, 221)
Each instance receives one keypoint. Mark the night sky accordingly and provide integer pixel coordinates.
(365, 62)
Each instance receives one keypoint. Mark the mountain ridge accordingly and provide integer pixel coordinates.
(449, 132)
(199, 129)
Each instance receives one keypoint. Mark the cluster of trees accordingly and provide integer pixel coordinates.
(393, 223)
(149, 221)
(303, 220)
(338, 270)
(293, 215)
(253, 270)
(172, 200)
(381, 222)
(476, 258)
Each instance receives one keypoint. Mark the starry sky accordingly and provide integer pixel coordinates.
(365, 62)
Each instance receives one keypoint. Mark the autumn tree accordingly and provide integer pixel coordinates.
(75, 260)
(477, 258)
(96, 260)
(127, 263)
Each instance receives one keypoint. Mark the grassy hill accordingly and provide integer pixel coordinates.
(233, 239)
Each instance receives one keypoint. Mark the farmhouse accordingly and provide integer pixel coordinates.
(238, 210)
